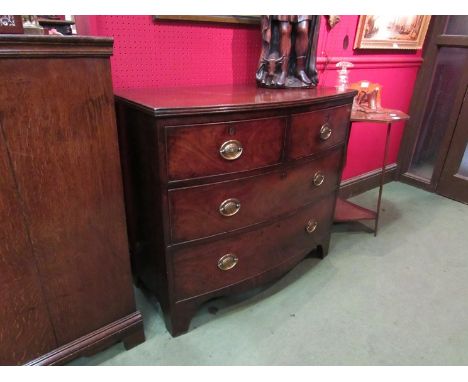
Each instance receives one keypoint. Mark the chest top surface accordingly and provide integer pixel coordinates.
(227, 98)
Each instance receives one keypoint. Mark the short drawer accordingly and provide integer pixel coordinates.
(202, 211)
(195, 151)
(201, 269)
(318, 130)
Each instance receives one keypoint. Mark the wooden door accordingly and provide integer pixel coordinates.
(426, 151)
(453, 182)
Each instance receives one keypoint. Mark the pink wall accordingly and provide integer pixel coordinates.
(396, 72)
(169, 53)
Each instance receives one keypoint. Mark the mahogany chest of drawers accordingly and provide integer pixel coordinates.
(227, 187)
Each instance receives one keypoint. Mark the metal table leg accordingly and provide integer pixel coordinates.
(382, 178)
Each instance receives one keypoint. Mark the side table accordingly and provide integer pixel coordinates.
(346, 211)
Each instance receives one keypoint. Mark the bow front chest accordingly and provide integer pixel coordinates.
(227, 187)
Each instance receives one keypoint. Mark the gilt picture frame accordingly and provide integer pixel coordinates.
(10, 24)
(391, 32)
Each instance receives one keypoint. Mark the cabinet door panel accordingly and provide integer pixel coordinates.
(65, 157)
(25, 328)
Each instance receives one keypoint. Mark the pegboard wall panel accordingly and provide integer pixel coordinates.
(367, 141)
(330, 47)
(330, 42)
(171, 53)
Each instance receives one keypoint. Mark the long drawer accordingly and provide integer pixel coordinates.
(195, 151)
(316, 131)
(210, 209)
(203, 268)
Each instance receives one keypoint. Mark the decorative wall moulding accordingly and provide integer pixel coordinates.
(361, 62)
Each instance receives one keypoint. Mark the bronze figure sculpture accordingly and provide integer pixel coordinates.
(288, 56)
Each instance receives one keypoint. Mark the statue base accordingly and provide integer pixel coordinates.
(291, 82)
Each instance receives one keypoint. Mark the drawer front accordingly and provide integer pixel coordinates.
(218, 148)
(318, 130)
(201, 269)
(214, 208)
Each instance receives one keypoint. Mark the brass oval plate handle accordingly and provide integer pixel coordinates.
(319, 178)
(229, 207)
(231, 150)
(325, 131)
(227, 262)
(311, 226)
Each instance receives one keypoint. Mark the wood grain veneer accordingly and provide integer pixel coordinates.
(176, 180)
(65, 269)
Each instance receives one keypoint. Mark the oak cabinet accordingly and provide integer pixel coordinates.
(65, 280)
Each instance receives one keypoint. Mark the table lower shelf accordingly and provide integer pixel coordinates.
(346, 211)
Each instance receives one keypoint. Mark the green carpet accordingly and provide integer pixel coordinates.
(398, 299)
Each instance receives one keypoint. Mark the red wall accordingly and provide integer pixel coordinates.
(169, 53)
(395, 70)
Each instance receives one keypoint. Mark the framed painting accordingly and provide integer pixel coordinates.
(391, 32)
(213, 19)
(11, 24)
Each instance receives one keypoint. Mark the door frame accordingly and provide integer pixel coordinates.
(421, 95)
(451, 184)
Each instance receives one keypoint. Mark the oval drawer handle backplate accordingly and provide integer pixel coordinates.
(319, 178)
(227, 262)
(311, 226)
(231, 150)
(229, 207)
(325, 131)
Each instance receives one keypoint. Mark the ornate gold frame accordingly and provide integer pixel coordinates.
(13, 29)
(362, 43)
